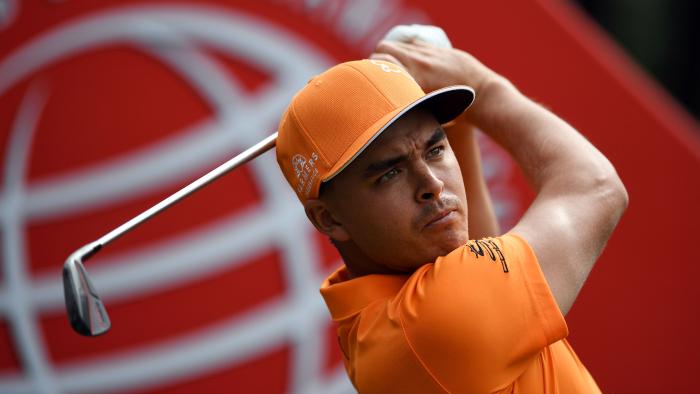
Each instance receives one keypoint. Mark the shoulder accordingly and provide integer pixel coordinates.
(484, 305)
(498, 272)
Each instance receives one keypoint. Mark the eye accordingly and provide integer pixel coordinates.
(436, 151)
(388, 175)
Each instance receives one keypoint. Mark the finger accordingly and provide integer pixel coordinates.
(399, 50)
(421, 43)
(386, 45)
(387, 58)
(406, 52)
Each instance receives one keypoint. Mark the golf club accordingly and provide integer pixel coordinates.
(86, 312)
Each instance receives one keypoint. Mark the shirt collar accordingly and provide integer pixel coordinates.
(346, 296)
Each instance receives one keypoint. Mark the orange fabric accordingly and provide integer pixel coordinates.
(340, 111)
(479, 320)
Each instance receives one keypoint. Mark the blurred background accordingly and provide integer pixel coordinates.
(661, 36)
(108, 107)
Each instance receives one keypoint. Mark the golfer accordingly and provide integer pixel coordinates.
(432, 297)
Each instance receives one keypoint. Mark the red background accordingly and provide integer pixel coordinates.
(633, 324)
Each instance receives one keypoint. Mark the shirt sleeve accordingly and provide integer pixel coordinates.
(479, 316)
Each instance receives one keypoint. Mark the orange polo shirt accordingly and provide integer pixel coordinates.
(479, 320)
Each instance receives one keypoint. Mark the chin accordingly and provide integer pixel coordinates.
(452, 240)
(432, 247)
(443, 246)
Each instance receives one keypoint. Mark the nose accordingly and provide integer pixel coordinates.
(429, 186)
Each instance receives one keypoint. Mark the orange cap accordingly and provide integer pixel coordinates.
(341, 111)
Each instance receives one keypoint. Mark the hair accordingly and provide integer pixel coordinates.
(324, 187)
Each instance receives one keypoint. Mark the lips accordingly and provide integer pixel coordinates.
(443, 211)
(439, 218)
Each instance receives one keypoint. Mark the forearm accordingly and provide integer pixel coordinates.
(481, 216)
(554, 157)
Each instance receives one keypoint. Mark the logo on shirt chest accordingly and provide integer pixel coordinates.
(483, 247)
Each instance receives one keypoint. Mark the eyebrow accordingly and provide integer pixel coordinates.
(438, 135)
(382, 165)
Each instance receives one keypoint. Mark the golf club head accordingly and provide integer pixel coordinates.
(86, 312)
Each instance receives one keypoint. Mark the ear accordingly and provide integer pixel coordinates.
(323, 219)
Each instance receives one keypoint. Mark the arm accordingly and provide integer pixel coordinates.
(579, 198)
(481, 216)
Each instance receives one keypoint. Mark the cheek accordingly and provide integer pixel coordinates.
(452, 169)
(453, 179)
(376, 222)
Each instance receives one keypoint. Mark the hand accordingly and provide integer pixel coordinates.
(434, 68)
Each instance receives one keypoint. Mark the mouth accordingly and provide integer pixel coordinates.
(442, 217)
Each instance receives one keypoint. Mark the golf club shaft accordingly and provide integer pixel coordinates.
(245, 156)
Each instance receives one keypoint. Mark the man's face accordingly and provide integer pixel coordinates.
(402, 202)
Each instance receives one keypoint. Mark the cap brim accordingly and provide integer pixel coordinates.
(445, 104)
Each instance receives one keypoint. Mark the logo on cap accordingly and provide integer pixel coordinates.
(389, 68)
(305, 171)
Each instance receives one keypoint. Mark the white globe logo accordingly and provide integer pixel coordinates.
(171, 35)
(175, 36)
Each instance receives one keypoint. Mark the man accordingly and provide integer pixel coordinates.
(423, 304)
